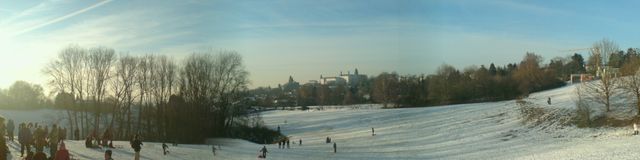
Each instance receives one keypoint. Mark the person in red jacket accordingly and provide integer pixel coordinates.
(62, 153)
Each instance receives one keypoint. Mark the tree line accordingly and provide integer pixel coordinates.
(448, 85)
(24, 95)
(150, 95)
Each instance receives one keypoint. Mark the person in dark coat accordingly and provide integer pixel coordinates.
(27, 140)
(21, 138)
(335, 147)
(373, 132)
(107, 137)
(10, 128)
(107, 154)
(287, 143)
(264, 151)
(136, 144)
(300, 142)
(165, 148)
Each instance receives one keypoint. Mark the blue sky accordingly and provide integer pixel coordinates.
(308, 38)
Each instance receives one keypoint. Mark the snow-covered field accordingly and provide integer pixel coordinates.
(468, 131)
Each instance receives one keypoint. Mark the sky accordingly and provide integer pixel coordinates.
(309, 38)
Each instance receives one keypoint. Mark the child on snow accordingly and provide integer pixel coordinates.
(165, 148)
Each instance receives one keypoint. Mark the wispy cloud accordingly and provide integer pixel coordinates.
(61, 18)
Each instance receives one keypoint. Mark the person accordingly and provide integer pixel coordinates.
(107, 154)
(136, 144)
(94, 137)
(278, 128)
(53, 139)
(300, 142)
(264, 151)
(10, 128)
(39, 138)
(279, 144)
(287, 143)
(328, 140)
(373, 132)
(27, 140)
(62, 153)
(213, 149)
(635, 129)
(21, 138)
(88, 142)
(107, 138)
(335, 147)
(549, 100)
(164, 148)
(40, 156)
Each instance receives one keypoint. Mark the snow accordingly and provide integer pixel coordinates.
(492, 130)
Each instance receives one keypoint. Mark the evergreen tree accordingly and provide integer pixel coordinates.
(576, 66)
(492, 70)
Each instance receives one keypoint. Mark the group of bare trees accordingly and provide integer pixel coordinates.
(612, 81)
(147, 94)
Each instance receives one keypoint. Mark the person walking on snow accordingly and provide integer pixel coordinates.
(373, 132)
(136, 144)
(300, 142)
(335, 147)
(635, 129)
(264, 151)
(549, 100)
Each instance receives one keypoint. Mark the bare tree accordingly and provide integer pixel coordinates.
(123, 85)
(213, 84)
(67, 76)
(601, 51)
(162, 82)
(100, 60)
(602, 90)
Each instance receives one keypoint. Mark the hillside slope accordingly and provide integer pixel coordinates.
(493, 130)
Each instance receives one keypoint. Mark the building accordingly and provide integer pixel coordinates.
(345, 79)
(332, 80)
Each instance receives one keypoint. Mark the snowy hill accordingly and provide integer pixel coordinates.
(492, 130)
